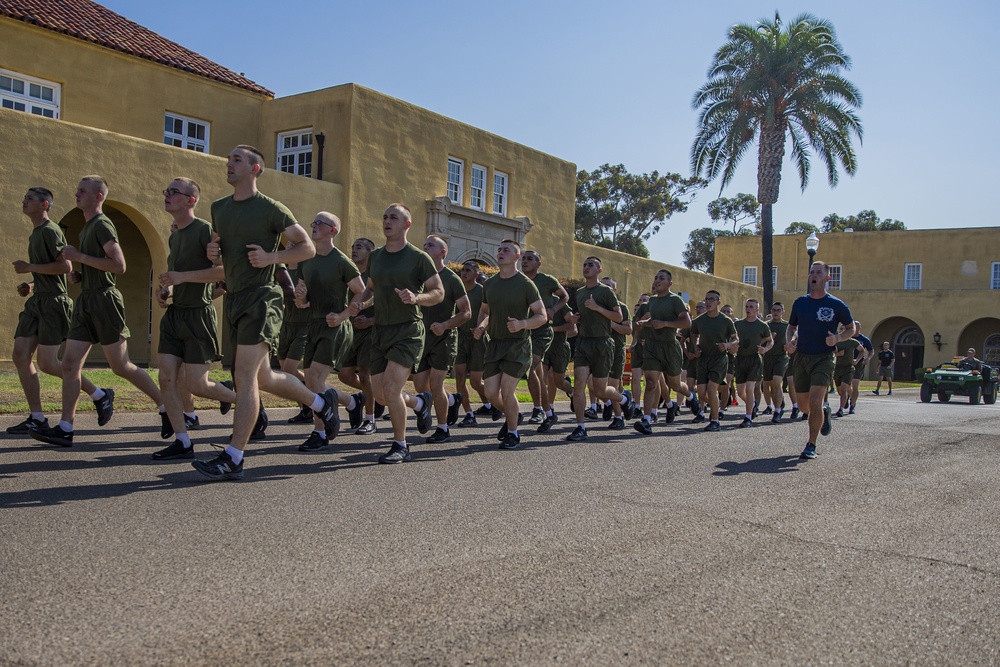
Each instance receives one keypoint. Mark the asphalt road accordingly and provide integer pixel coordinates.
(680, 548)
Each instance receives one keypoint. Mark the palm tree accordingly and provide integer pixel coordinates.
(768, 83)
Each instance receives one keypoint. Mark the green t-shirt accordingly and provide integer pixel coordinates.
(848, 346)
(667, 308)
(618, 337)
(640, 331)
(559, 319)
(592, 323)
(751, 335)
(778, 330)
(509, 297)
(454, 289)
(44, 245)
(326, 278)
(711, 331)
(546, 285)
(294, 314)
(258, 220)
(476, 301)
(95, 235)
(187, 253)
(408, 268)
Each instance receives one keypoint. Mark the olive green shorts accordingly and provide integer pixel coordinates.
(597, 353)
(775, 366)
(361, 349)
(292, 340)
(639, 355)
(254, 316)
(713, 368)
(190, 334)
(843, 375)
(326, 345)
(663, 356)
(510, 356)
(471, 352)
(813, 370)
(617, 363)
(439, 352)
(46, 316)
(749, 368)
(692, 369)
(541, 339)
(859, 371)
(99, 317)
(731, 368)
(400, 343)
(557, 356)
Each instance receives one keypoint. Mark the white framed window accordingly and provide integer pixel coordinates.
(774, 277)
(995, 275)
(26, 93)
(295, 152)
(750, 275)
(836, 276)
(185, 132)
(500, 193)
(477, 188)
(455, 167)
(913, 276)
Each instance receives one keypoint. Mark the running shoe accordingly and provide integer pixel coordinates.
(28, 425)
(470, 420)
(424, 418)
(354, 415)
(579, 434)
(713, 426)
(510, 441)
(809, 452)
(315, 444)
(226, 406)
(105, 406)
(454, 408)
(176, 450)
(219, 469)
(367, 428)
(827, 426)
(439, 435)
(53, 435)
(537, 416)
(396, 454)
(643, 426)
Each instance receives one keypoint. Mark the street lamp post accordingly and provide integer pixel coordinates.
(812, 245)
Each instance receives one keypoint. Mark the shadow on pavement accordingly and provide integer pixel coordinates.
(771, 465)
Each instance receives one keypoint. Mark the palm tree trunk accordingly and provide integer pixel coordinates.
(769, 158)
(766, 254)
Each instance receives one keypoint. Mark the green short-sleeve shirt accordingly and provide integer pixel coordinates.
(593, 324)
(44, 245)
(712, 331)
(618, 337)
(848, 346)
(293, 314)
(258, 220)
(408, 268)
(326, 278)
(454, 289)
(751, 335)
(778, 330)
(547, 285)
(509, 297)
(95, 235)
(667, 308)
(187, 253)
(476, 301)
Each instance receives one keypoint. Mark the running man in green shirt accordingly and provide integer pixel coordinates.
(469, 359)
(355, 371)
(755, 341)
(714, 335)
(554, 296)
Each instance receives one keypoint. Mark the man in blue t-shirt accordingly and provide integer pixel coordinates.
(862, 356)
(812, 336)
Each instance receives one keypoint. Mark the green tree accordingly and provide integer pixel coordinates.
(801, 228)
(864, 221)
(771, 83)
(742, 212)
(699, 253)
(619, 210)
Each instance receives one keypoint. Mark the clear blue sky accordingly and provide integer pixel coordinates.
(610, 82)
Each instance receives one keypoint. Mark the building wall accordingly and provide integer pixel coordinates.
(105, 89)
(955, 300)
(55, 154)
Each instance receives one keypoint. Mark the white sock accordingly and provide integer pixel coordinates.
(369, 416)
(234, 454)
(162, 408)
(420, 404)
(443, 427)
(37, 416)
(351, 404)
(401, 444)
(318, 403)
(321, 434)
(487, 406)
(191, 415)
(514, 433)
(97, 395)
(185, 440)
(65, 426)
(451, 400)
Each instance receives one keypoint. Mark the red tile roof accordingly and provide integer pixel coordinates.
(91, 22)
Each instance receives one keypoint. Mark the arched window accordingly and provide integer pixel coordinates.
(991, 350)
(910, 336)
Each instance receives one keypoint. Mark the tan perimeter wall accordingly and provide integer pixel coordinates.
(55, 154)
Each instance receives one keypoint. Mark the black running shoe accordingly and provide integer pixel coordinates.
(776, 418)
(579, 434)
(176, 450)
(746, 423)
(568, 380)
(793, 414)
(617, 424)
(483, 410)
(713, 426)
(367, 428)
(226, 406)
(166, 428)
(591, 413)
(219, 469)
(672, 412)
(330, 414)
(511, 441)
(827, 426)
(106, 407)
(804, 417)
(698, 419)
(396, 454)
(809, 452)
(53, 435)
(424, 419)
(547, 423)
(439, 435)
(29, 424)
(768, 411)
(470, 420)
(839, 413)
(537, 416)
(304, 416)
(315, 444)
(454, 408)
(379, 409)
(354, 416)
(643, 426)
(609, 411)
(755, 411)
(495, 413)
(695, 405)
(192, 423)
(260, 426)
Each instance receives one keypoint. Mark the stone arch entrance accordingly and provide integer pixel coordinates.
(983, 335)
(137, 281)
(906, 340)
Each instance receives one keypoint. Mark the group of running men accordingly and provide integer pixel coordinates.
(389, 315)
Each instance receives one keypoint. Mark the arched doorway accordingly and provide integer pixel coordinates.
(909, 349)
(983, 335)
(135, 285)
(991, 350)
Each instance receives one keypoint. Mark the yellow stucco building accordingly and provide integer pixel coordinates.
(910, 288)
(84, 90)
